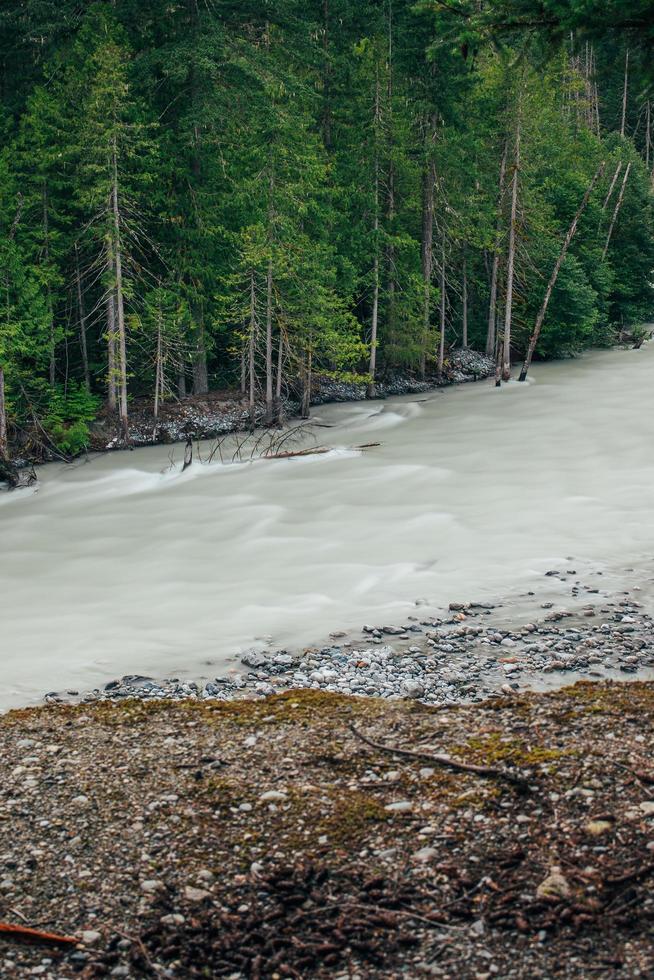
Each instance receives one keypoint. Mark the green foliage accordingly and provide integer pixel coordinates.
(273, 164)
(67, 418)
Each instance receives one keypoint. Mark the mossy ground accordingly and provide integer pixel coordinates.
(100, 800)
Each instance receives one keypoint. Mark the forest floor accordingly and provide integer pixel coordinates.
(267, 839)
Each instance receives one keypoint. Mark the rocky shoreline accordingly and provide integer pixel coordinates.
(467, 654)
(218, 414)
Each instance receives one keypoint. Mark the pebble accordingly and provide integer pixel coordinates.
(444, 659)
(403, 806)
(196, 895)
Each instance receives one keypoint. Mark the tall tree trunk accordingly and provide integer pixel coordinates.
(200, 370)
(279, 378)
(443, 303)
(427, 251)
(390, 184)
(326, 79)
(305, 411)
(616, 210)
(46, 253)
(4, 442)
(492, 305)
(465, 301)
(372, 364)
(251, 351)
(244, 371)
(158, 374)
(510, 270)
(82, 322)
(648, 133)
(270, 408)
(112, 397)
(555, 273)
(120, 306)
(623, 123)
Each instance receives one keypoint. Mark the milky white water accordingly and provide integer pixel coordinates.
(122, 565)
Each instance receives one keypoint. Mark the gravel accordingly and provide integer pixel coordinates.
(466, 654)
(264, 839)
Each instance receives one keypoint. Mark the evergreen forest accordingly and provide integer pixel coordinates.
(211, 195)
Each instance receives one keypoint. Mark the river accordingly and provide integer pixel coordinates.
(123, 564)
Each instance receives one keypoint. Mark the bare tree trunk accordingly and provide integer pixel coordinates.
(612, 186)
(158, 375)
(616, 210)
(326, 79)
(46, 252)
(279, 378)
(390, 184)
(181, 379)
(112, 399)
(4, 442)
(555, 273)
(270, 411)
(372, 365)
(305, 411)
(427, 252)
(648, 133)
(465, 301)
(120, 307)
(510, 271)
(82, 323)
(623, 124)
(252, 342)
(492, 306)
(429, 184)
(441, 343)
(244, 371)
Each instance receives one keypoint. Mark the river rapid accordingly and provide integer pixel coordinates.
(124, 564)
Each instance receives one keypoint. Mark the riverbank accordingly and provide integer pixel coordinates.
(220, 413)
(466, 654)
(268, 839)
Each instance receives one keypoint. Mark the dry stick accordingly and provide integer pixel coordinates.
(612, 187)
(625, 92)
(36, 935)
(616, 211)
(486, 772)
(555, 273)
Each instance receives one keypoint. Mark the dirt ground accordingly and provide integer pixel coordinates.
(267, 839)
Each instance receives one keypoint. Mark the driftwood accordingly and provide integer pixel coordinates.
(447, 762)
(25, 934)
(313, 451)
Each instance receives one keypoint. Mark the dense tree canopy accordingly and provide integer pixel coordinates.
(219, 194)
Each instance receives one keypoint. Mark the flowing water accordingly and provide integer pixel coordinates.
(123, 564)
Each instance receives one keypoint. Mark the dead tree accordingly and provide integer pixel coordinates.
(616, 210)
(555, 273)
(492, 306)
(510, 272)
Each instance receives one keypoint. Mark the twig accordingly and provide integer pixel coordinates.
(36, 935)
(486, 772)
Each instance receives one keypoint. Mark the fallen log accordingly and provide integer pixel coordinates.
(291, 453)
(314, 451)
(447, 762)
(25, 934)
